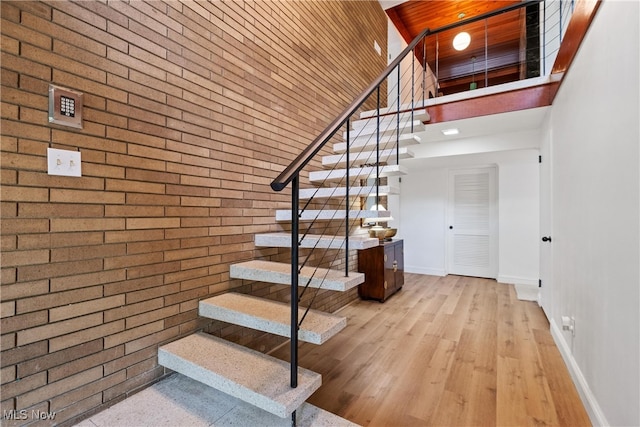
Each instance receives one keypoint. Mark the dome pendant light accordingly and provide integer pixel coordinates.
(461, 41)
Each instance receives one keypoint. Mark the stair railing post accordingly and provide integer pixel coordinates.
(347, 205)
(378, 149)
(413, 85)
(486, 53)
(295, 244)
(424, 70)
(398, 120)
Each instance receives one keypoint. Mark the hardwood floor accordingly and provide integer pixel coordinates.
(445, 351)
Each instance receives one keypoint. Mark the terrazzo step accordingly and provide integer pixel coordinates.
(328, 192)
(271, 316)
(283, 240)
(253, 377)
(280, 273)
(388, 141)
(331, 214)
(390, 119)
(391, 128)
(362, 172)
(389, 155)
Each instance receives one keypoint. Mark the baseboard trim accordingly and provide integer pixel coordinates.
(586, 395)
(517, 280)
(422, 270)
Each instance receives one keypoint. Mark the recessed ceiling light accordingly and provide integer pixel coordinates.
(452, 131)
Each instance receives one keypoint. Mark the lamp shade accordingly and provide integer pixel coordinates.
(376, 220)
(461, 41)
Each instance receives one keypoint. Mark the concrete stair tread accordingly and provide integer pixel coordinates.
(278, 272)
(331, 214)
(386, 128)
(328, 192)
(271, 316)
(389, 155)
(387, 141)
(253, 377)
(283, 240)
(363, 172)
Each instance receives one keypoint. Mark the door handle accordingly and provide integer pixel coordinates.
(546, 239)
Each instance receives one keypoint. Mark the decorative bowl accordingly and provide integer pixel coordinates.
(379, 233)
(390, 232)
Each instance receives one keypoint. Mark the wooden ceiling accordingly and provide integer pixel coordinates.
(456, 70)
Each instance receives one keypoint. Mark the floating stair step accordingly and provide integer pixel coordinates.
(331, 214)
(283, 240)
(418, 106)
(363, 172)
(278, 272)
(271, 316)
(253, 377)
(390, 119)
(391, 128)
(386, 142)
(388, 155)
(325, 193)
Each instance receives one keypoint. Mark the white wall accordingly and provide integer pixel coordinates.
(594, 138)
(423, 202)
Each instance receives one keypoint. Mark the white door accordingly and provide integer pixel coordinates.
(473, 222)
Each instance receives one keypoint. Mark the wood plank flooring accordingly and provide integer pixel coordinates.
(445, 351)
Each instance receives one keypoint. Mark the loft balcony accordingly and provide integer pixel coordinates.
(514, 60)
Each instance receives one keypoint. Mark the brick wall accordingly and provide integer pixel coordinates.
(191, 109)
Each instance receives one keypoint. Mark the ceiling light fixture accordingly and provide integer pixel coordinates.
(461, 41)
(452, 131)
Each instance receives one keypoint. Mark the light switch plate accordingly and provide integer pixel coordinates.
(65, 107)
(64, 162)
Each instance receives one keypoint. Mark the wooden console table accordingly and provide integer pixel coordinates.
(383, 267)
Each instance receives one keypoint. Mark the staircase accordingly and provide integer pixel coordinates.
(256, 378)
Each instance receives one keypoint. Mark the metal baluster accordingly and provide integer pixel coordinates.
(378, 148)
(347, 203)
(424, 69)
(437, 64)
(295, 225)
(398, 120)
(486, 55)
(413, 86)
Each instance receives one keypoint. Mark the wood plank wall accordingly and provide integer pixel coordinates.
(191, 109)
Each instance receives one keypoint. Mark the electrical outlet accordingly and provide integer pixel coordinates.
(569, 324)
(64, 162)
(377, 47)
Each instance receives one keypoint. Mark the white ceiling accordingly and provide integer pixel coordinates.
(513, 121)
